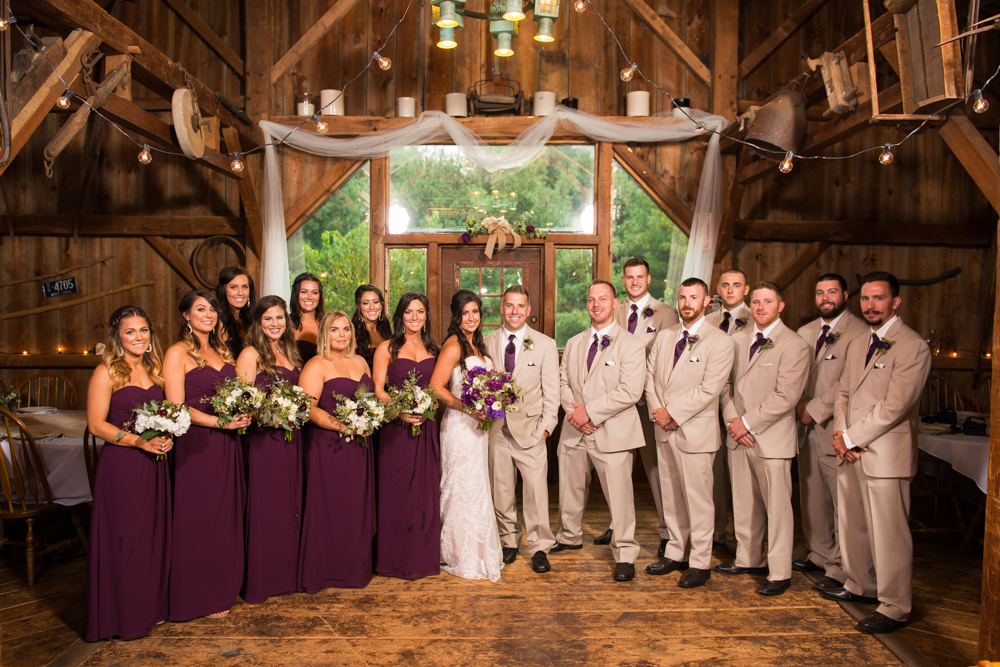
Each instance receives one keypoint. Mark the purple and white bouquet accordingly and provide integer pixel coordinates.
(360, 415)
(161, 418)
(285, 406)
(412, 399)
(235, 396)
(490, 393)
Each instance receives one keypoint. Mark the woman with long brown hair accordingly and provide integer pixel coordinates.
(371, 325)
(236, 294)
(306, 312)
(274, 487)
(209, 488)
(129, 556)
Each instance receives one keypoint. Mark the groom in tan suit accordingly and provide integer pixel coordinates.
(772, 365)
(686, 372)
(601, 378)
(518, 443)
(875, 433)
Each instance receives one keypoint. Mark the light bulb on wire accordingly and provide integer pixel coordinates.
(145, 157)
(383, 62)
(580, 6)
(63, 101)
(699, 127)
(237, 164)
(981, 104)
(321, 126)
(885, 157)
(6, 21)
(628, 72)
(786, 164)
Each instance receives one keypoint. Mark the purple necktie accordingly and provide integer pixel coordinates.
(633, 319)
(872, 347)
(592, 353)
(725, 322)
(508, 355)
(756, 344)
(679, 348)
(822, 338)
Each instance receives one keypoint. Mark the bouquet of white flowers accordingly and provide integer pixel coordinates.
(10, 400)
(412, 399)
(286, 406)
(360, 415)
(161, 418)
(235, 396)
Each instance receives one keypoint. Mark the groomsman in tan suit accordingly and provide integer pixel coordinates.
(772, 365)
(644, 316)
(686, 372)
(518, 443)
(601, 379)
(875, 433)
(733, 317)
(829, 335)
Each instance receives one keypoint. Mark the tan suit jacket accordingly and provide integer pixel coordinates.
(826, 368)
(536, 373)
(647, 328)
(609, 390)
(766, 390)
(715, 319)
(878, 403)
(690, 389)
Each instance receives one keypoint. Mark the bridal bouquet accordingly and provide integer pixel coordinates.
(491, 393)
(161, 418)
(235, 396)
(10, 400)
(285, 406)
(412, 399)
(360, 415)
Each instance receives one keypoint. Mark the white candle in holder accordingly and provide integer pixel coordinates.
(637, 103)
(456, 104)
(327, 96)
(406, 107)
(543, 103)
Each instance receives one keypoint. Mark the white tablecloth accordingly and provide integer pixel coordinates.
(967, 454)
(65, 467)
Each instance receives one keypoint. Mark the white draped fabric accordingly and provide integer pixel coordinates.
(436, 126)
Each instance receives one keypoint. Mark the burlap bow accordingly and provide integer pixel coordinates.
(498, 229)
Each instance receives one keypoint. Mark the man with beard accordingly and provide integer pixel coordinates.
(829, 336)
(875, 434)
(688, 367)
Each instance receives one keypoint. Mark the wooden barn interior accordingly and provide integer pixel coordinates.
(78, 202)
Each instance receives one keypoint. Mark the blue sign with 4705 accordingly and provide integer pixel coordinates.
(60, 287)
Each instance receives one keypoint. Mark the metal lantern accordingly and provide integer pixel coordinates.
(546, 12)
(504, 31)
(447, 14)
(512, 11)
(780, 125)
(446, 36)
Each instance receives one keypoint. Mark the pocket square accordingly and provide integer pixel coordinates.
(694, 359)
(650, 330)
(609, 363)
(770, 364)
(878, 365)
(830, 358)
(531, 363)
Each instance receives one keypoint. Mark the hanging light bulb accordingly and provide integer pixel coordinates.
(383, 62)
(446, 40)
(237, 164)
(321, 125)
(628, 72)
(447, 19)
(503, 45)
(145, 157)
(786, 164)
(886, 156)
(580, 6)
(63, 101)
(699, 127)
(4, 22)
(981, 104)
(513, 11)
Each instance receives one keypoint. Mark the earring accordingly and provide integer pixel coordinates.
(190, 330)
(119, 350)
(150, 348)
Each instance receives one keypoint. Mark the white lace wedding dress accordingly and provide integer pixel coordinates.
(470, 543)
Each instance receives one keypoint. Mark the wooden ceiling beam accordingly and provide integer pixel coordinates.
(671, 39)
(800, 263)
(665, 198)
(864, 233)
(306, 205)
(248, 195)
(975, 154)
(779, 36)
(207, 35)
(724, 242)
(176, 260)
(112, 226)
(312, 37)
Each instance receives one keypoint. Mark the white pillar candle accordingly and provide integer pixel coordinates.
(406, 107)
(637, 103)
(326, 97)
(456, 104)
(543, 103)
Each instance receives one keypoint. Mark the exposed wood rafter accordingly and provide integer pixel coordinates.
(112, 226)
(975, 154)
(671, 39)
(310, 38)
(778, 37)
(864, 233)
(176, 260)
(306, 205)
(725, 241)
(207, 35)
(800, 263)
(248, 195)
(665, 198)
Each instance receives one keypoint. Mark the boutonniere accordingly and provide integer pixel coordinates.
(740, 323)
(766, 345)
(647, 312)
(831, 338)
(884, 346)
(692, 341)
(606, 340)
(528, 343)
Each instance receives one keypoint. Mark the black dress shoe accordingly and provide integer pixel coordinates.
(879, 624)
(843, 595)
(662, 549)
(540, 562)
(509, 554)
(666, 566)
(605, 538)
(774, 587)
(733, 568)
(564, 547)
(694, 578)
(805, 565)
(624, 572)
(828, 583)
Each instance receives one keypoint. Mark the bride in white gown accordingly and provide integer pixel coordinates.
(470, 543)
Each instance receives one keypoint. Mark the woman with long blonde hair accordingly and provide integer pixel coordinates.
(129, 556)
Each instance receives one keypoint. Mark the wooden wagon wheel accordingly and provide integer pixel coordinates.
(187, 123)
(197, 262)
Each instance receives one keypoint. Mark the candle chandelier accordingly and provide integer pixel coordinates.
(504, 16)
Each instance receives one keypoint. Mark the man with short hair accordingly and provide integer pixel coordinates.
(686, 372)
(644, 316)
(875, 434)
(518, 443)
(829, 336)
(601, 378)
(770, 372)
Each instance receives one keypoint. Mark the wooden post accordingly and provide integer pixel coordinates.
(259, 53)
(602, 209)
(378, 215)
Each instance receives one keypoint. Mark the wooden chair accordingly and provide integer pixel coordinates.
(938, 395)
(984, 392)
(90, 454)
(26, 492)
(48, 389)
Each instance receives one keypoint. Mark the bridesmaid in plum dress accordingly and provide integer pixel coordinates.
(129, 558)
(209, 487)
(409, 467)
(306, 312)
(237, 295)
(274, 491)
(371, 325)
(339, 514)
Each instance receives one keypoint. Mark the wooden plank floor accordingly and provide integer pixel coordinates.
(575, 614)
